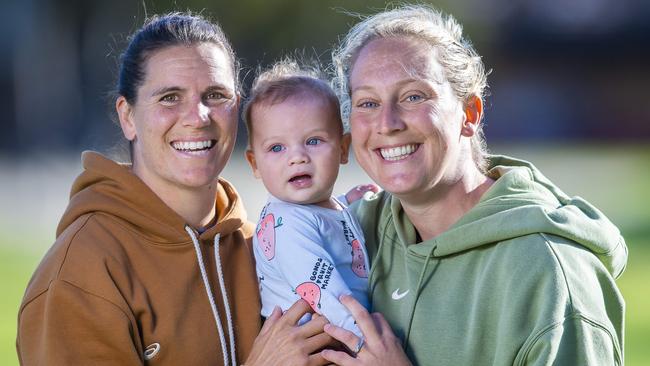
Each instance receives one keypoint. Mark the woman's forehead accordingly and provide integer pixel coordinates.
(205, 60)
(409, 56)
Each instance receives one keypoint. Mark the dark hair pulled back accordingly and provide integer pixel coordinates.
(161, 31)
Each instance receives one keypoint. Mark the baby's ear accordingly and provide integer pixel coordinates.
(345, 148)
(250, 158)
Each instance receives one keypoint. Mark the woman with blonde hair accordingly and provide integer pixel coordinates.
(475, 259)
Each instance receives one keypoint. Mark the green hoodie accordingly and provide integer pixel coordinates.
(526, 277)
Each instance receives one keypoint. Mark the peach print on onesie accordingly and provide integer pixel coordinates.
(266, 235)
(310, 292)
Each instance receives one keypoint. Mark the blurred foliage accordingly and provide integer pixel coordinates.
(273, 29)
(544, 55)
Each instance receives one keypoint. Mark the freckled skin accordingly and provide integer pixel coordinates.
(400, 97)
(202, 104)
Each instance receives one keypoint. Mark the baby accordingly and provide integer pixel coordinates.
(307, 245)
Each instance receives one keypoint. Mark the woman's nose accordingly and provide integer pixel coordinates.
(390, 120)
(197, 116)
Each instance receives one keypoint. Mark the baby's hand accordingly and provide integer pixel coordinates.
(357, 192)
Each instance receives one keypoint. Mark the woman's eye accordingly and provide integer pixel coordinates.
(276, 148)
(314, 141)
(414, 98)
(215, 95)
(367, 105)
(169, 98)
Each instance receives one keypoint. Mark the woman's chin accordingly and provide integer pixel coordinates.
(397, 185)
(198, 178)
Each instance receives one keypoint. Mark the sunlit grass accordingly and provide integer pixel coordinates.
(635, 286)
(16, 269)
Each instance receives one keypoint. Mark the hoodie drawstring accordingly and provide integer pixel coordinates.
(418, 288)
(208, 290)
(224, 294)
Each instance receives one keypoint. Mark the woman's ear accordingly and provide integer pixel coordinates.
(125, 115)
(250, 158)
(473, 115)
(345, 148)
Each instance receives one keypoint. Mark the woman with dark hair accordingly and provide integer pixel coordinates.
(476, 259)
(152, 261)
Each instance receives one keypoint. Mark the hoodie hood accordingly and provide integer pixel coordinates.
(521, 202)
(105, 186)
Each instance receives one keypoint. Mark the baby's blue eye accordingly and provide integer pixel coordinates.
(313, 141)
(276, 148)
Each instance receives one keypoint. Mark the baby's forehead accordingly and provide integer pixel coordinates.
(298, 114)
(302, 102)
(327, 107)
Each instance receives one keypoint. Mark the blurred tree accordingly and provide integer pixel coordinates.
(561, 70)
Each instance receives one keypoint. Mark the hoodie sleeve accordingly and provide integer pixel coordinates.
(575, 341)
(289, 244)
(590, 330)
(66, 325)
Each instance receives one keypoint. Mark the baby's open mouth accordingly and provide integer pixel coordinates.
(300, 178)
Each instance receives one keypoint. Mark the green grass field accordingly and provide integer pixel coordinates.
(14, 274)
(613, 178)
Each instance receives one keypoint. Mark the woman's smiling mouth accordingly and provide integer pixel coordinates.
(193, 147)
(398, 152)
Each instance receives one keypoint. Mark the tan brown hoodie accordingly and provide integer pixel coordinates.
(122, 284)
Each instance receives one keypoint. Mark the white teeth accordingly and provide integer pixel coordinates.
(399, 152)
(192, 145)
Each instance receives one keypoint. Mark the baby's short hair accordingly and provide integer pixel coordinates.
(287, 79)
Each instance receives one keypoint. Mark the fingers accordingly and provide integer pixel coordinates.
(364, 321)
(337, 357)
(371, 188)
(381, 323)
(296, 311)
(312, 327)
(271, 319)
(318, 342)
(316, 360)
(349, 339)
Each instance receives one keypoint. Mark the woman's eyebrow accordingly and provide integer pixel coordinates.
(166, 89)
(400, 83)
(216, 87)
